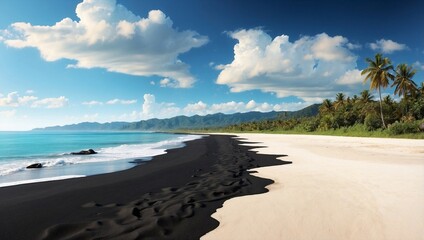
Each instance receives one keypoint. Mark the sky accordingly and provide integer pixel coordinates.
(65, 62)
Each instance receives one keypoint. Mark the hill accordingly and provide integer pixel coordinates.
(184, 122)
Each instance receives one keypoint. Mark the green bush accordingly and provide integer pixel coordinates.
(417, 108)
(403, 127)
(337, 121)
(372, 122)
(310, 125)
(325, 123)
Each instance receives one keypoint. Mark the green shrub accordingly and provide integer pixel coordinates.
(309, 125)
(403, 127)
(325, 123)
(372, 122)
(417, 108)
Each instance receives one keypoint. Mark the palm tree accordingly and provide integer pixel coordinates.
(348, 100)
(355, 98)
(340, 98)
(378, 72)
(421, 89)
(366, 97)
(405, 86)
(388, 100)
(326, 106)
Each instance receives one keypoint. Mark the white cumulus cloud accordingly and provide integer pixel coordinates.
(418, 65)
(353, 46)
(13, 99)
(153, 109)
(50, 103)
(120, 101)
(199, 108)
(351, 77)
(92, 103)
(108, 35)
(166, 82)
(387, 46)
(306, 68)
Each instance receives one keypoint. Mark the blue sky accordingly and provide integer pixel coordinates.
(69, 61)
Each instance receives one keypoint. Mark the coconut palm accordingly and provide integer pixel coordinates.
(366, 96)
(405, 86)
(340, 99)
(421, 89)
(326, 106)
(355, 98)
(378, 72)
(349, 100)
(388, 100)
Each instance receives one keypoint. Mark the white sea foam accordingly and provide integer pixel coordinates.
(40, 180)
(126, 151)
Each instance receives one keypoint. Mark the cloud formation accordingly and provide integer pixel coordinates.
(13, 99)
(92, 103)
(418, 65)
(387, 46)
(110, 36)
(50, 103)
(153, 109)
(110, 102)
(166, 82)
(307, 68)
(120, 101)
(351, 77)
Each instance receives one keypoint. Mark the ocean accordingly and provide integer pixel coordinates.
(116, 151)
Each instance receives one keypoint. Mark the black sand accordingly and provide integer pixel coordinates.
(170, 197)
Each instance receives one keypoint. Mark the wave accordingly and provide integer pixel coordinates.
(121, 152)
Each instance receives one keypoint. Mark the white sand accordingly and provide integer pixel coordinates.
(336, 188)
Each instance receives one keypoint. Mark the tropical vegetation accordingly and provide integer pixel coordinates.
(362, 113)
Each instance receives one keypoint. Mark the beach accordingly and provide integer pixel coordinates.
(170, 197)
(249, 186)
(335, 188)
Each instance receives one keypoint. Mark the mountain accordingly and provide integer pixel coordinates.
(86, 126)
(184, 122)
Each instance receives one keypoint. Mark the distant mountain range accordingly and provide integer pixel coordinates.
(184, 122)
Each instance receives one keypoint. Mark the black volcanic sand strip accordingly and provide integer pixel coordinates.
(171, 197)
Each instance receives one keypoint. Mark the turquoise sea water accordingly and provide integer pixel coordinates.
(116, 151)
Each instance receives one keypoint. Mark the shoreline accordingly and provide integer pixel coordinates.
(336, 188)
(170, 197)
(109, 158)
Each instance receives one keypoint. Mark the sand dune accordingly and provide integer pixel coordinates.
(336, 188)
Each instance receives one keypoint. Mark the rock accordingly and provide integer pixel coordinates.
(35, 165)
(421, 127)
(84, 152)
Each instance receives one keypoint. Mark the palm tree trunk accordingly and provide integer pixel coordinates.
(381, 108)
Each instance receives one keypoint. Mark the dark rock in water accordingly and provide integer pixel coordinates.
(85, 152)
(421, 127)
(35, 165)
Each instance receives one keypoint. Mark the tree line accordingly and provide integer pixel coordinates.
(362, 111)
